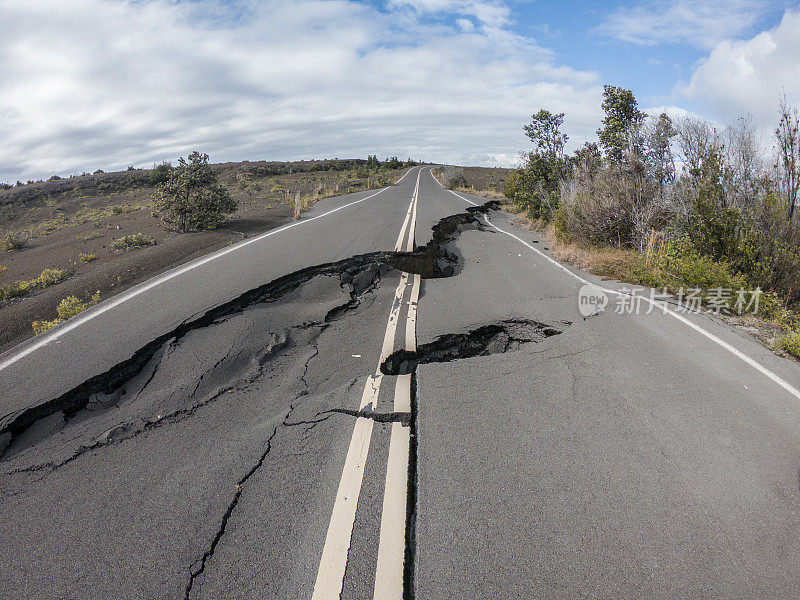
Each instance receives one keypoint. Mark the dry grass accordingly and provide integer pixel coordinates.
(488, 194)
(134, 240)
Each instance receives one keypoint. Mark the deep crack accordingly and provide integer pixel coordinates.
(488, 339)
(362, 272)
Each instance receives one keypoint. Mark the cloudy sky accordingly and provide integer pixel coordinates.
(100, 84)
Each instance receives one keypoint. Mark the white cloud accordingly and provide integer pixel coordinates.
(487, 12)
(699, 23)
(102, 85)
(748, 77)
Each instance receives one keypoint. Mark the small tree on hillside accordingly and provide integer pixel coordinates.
(622, 117)
(192, 197)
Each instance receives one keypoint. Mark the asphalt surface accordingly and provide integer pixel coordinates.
(207, 434)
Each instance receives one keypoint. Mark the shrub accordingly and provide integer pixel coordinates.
(54, 178)
(192, 197)
(135, 240)
(3, 269)
(160, 173)
(85, 257)
(790, 343)
(66, 309)
(14, 241)
(5, 186)
(17, 289)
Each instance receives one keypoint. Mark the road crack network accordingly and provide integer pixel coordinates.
(361, 272)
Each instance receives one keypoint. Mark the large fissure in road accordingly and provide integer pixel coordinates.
(241, 352)
(360, 273)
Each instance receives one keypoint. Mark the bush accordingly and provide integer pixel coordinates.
(453, 177)
(160, 173)
(790, 343)
(534, 189)
(14, 241)
(192, 197)
(135, 240)
(18, 289)
(66, 309)
(85, 257)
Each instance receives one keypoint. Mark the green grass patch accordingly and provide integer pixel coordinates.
(790, 343)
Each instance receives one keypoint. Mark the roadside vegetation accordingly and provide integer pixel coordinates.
(191, 196)
(127, 242)
(323, 181)
(473, 180)
(673, 204)
(66, 309)
(21, 288)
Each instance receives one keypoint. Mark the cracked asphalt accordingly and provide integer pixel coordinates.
(190, 442)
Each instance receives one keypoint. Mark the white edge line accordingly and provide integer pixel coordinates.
(125, 296)
(662, 305)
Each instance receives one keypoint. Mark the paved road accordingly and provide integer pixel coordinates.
(395, 396)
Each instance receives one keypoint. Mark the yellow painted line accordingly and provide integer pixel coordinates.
(392, 541)
(333, 563)
(392, 544)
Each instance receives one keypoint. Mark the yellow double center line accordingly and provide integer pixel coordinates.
(391, 547)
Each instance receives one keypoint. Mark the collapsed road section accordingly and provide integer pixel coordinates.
(357, 275)
(231, 346)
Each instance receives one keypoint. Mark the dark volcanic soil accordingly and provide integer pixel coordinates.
(113, 271)
(83, 215)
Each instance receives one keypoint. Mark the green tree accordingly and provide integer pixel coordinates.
(192, 197)
(534, 187)
(622, 117)
(714, 227)
(544, 131)
(590, 155)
